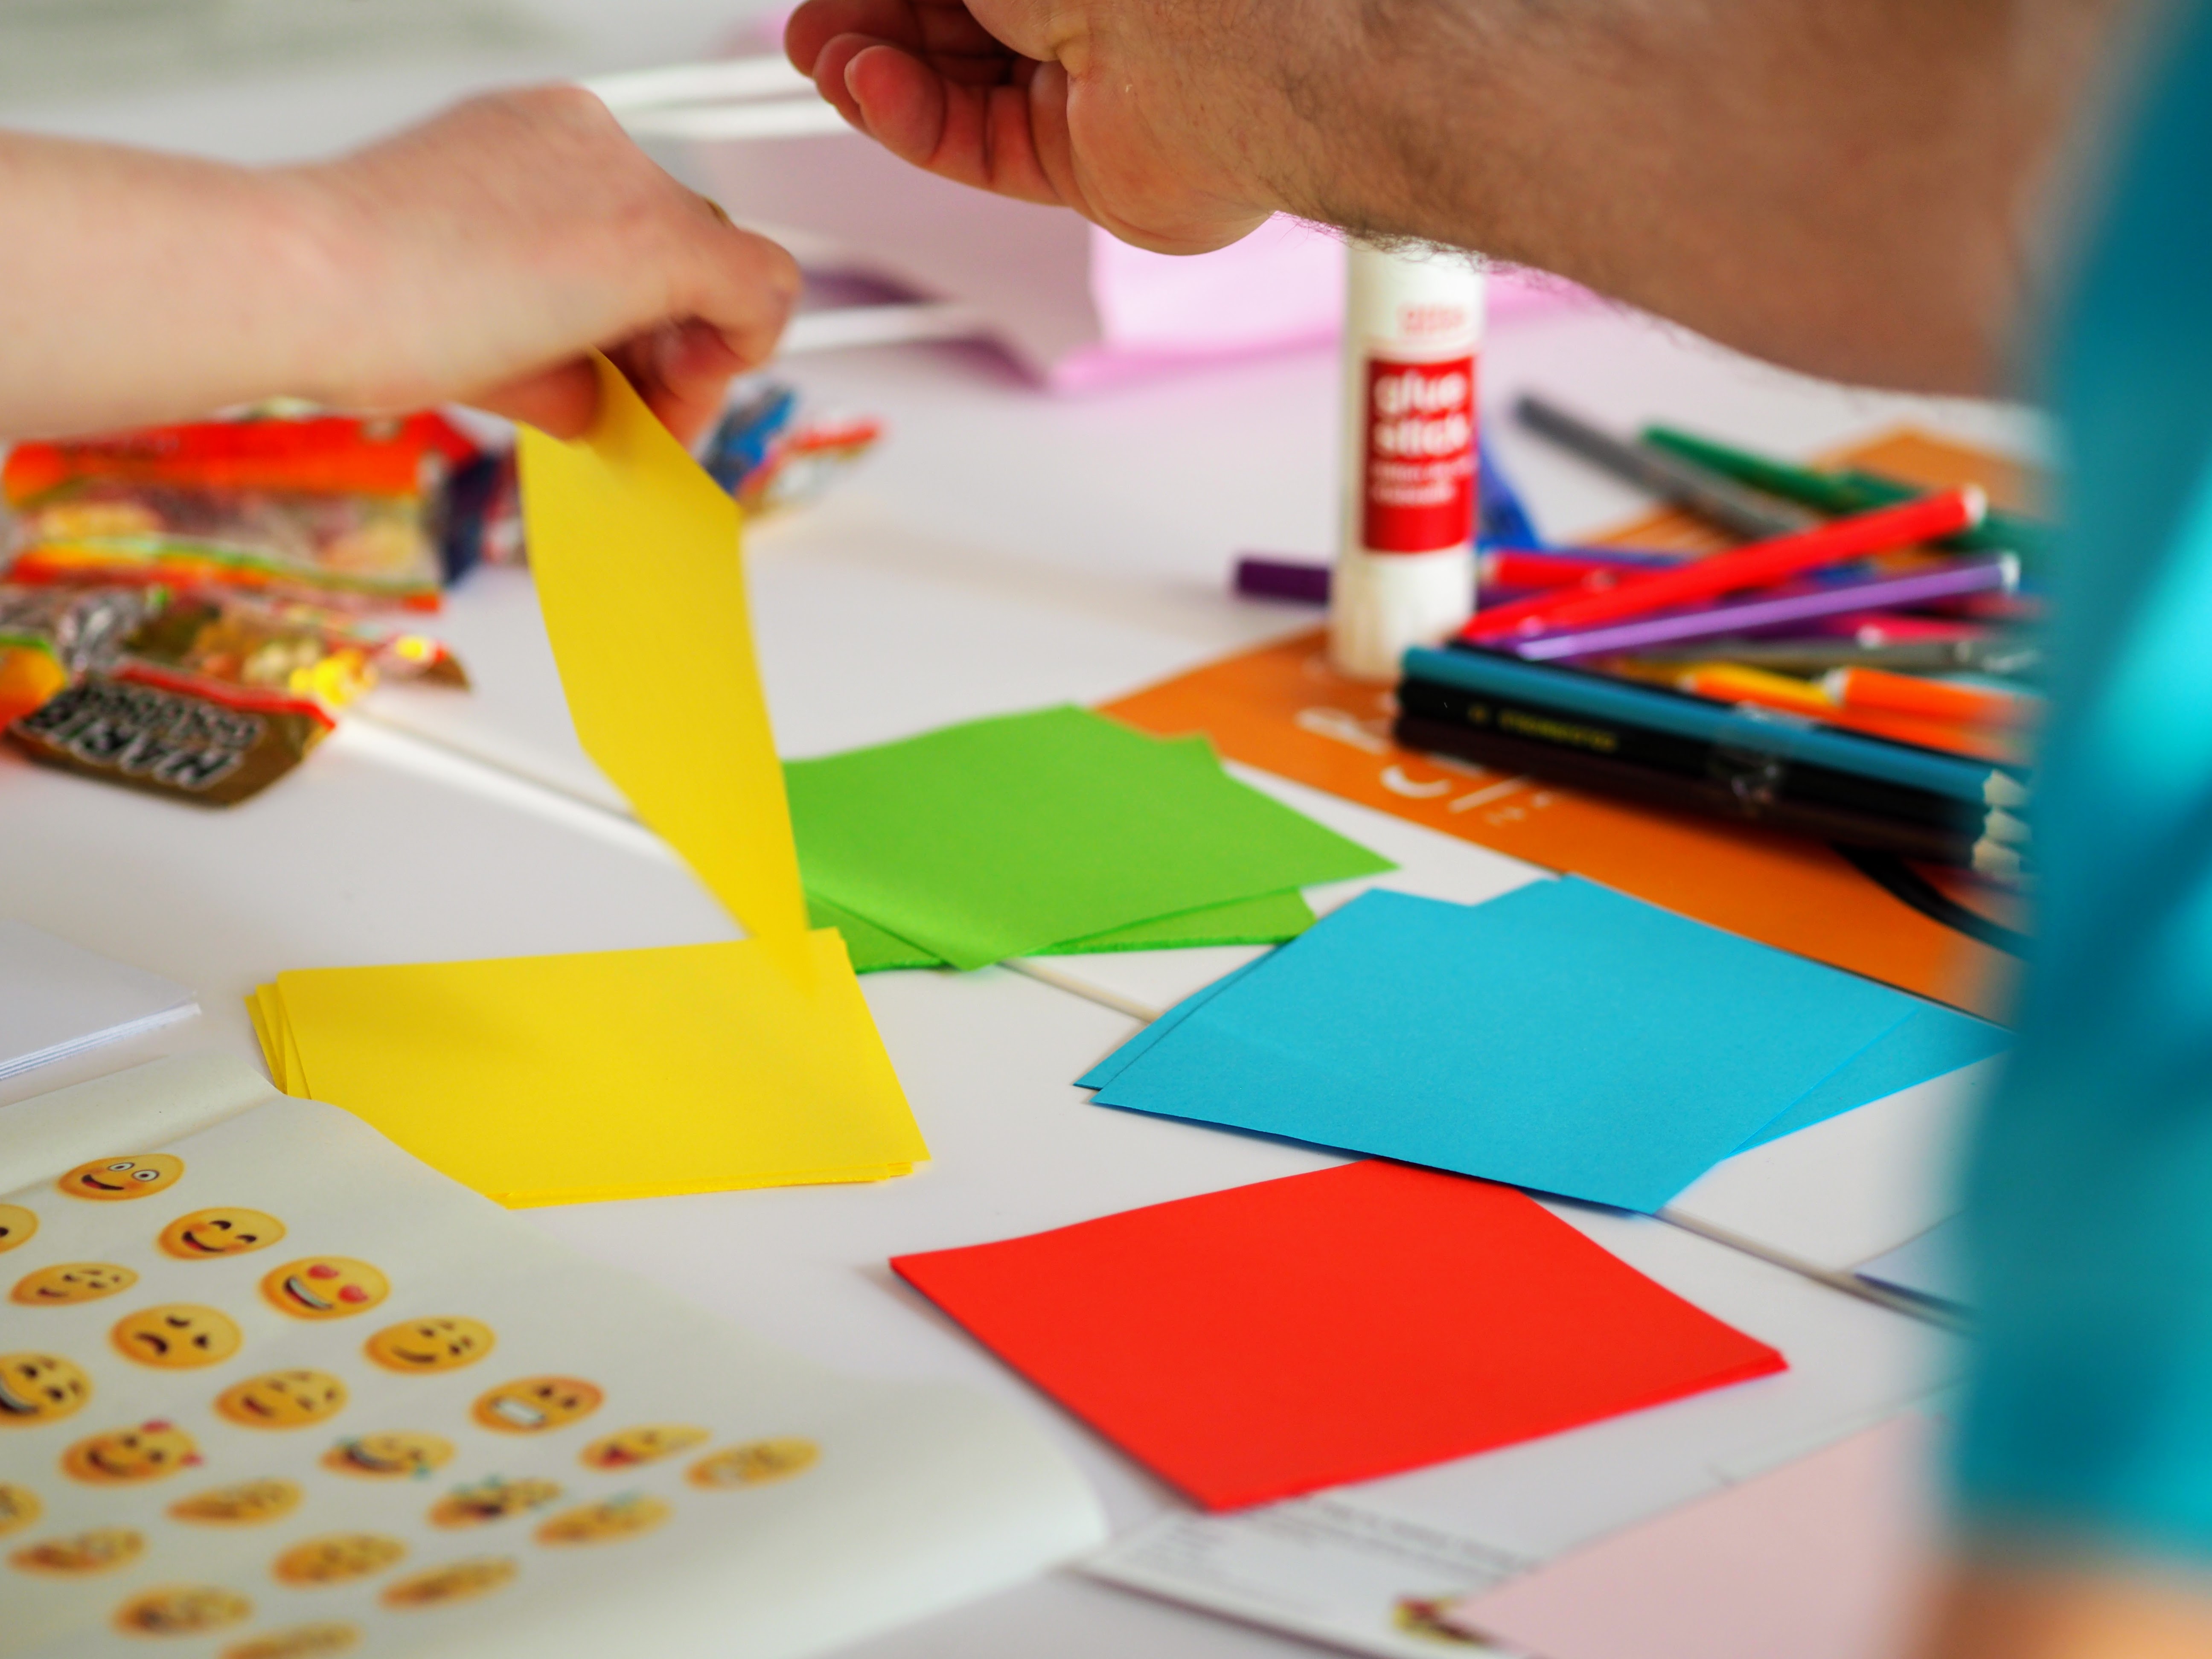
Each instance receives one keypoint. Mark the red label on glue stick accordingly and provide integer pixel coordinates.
(1419, 485)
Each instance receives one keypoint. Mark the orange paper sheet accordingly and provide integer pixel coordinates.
(1283, 709)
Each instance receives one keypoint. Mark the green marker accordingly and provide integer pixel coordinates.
(1850, 489)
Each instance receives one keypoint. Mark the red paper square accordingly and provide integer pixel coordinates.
(1258, 1343)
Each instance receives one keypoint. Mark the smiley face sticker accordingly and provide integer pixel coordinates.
(16, 1226)
(324, 1287)
(297, 1642)
(65, 1282)
(248, 1504)
(182, 1610)
(176, 1336)
(102, 1550)
(494, 1499)
(456, 1580)
(605, 1522)
(39, 1388)
(110, 1179)
(282, 1400)
(755, 1463)
(535, 1404)
(647, 1443)
(126, 1457)
(436, 1343)
(204, 1235)
(395, 1454)
(336, 1558)
(18, 1507)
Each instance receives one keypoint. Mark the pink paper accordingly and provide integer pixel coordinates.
(1076, 308)
(1828, 1558)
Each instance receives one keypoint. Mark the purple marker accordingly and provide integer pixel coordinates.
(1266, 577)
(2000, 574)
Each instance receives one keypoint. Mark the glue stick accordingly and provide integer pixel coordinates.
(1404, 569)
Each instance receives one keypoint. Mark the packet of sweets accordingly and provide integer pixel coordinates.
(49, 635)
(82, 628)
(332, 506)
(189, 740)
(30, 673)
(308, 651)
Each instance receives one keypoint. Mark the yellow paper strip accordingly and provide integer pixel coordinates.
(635, 554)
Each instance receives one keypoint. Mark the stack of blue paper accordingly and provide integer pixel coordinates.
(1562, 1038)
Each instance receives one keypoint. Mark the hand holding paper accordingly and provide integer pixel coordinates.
(627, 1073)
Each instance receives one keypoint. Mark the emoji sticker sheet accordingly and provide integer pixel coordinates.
(273, 1389)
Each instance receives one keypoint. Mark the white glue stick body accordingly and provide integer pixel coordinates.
(1405, 567)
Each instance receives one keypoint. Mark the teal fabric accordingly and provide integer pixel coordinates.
(2090, 1201)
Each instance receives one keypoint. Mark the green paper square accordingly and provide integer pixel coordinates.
(1010, 836)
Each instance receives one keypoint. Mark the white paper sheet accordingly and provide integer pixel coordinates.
(1930, 1267)
(56, 1000)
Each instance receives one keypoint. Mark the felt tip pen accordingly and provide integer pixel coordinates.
(1733, 683)
(1709, 494)
(1855, 605)
(1757, 773)
(1762, 564)
(1501, 519)
(1306, 581)
(1405, 567)
(2005, 656)
(1719, 779)
(1664, 709)
(1870, 690)
(1846, 489)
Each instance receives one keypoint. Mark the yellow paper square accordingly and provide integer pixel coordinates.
(612, 1074)
(635, 551)
(271, 1055)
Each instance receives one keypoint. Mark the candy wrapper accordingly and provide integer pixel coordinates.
(207, 695)
(308, 651)
(189, 740)
(773, 460)
(330, 508)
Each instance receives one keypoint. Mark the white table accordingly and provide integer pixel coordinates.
(1003, 549)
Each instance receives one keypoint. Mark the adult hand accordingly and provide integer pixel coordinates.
(485, 254)
(1154, 118)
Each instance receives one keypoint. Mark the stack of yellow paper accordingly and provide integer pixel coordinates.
(612, 1074)
(627, 1073)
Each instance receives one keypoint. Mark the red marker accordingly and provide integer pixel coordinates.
(1929, 519)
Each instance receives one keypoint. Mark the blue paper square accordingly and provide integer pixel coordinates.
(1561, 1037)
(1931, 1042)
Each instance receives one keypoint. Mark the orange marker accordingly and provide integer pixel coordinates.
(1727, 683)
(1874, 691)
